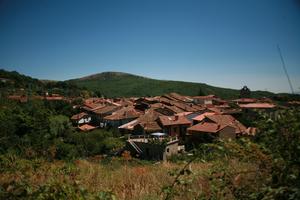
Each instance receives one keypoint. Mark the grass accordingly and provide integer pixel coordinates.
(125, 179)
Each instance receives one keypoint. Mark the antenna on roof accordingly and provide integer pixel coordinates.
(285, 70)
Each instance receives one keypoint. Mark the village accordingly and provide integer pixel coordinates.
(158, 127)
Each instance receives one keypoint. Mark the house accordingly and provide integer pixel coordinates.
(122, 116)
(204, 100)
(145, 124)
(175, 125)
(215, 126)
(208, 131)
(98, 114)
(226, 120)
(220, 102)
(252, 110)
(156, 146)
(81, 118)
(244, 100)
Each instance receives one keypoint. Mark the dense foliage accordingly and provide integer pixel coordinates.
(15, 83)
(42, 128)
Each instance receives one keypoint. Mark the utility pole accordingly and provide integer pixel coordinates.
(285, 70)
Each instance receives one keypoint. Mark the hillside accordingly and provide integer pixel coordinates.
(18, 80)
(16, 83)
(118, 84)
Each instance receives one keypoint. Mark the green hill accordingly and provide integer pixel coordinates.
(118, 84)
(12, 82)
(17, 80)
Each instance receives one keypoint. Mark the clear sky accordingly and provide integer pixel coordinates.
(223, 43)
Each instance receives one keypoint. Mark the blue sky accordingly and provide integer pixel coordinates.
(223, 43)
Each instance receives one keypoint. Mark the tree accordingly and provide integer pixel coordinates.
(200, 92)
(59, 125)
(245, 92)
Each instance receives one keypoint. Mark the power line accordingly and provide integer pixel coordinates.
(285, 70)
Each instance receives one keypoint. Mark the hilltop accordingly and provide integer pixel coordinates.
(119, 84)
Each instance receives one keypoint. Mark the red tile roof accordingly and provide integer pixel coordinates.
(147, 121)
(54, 98)
(185, 107)
(214, 109)
(86, 127)
(174, 120)
(183, 113)
(124, 113)
(92, 106)
(245, 100)
(180, 97)
(163, 108)
(225, 120)
(205, 97)
(79, 116)
(257, 105)
(202, 116)
(151, 126)
(129, 125)
(206, 127)
(105, 109)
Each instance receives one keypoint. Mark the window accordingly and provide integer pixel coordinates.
(168, 150)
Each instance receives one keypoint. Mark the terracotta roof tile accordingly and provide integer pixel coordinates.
(147, 121)
(206, 127)
(245, 100)
(86, 127)
(105, 109)
(225, 120)
(79, 116)
(257, 105)
(174, 120)
(124, 113)
(202, 116)
(210, 97)
(54, 98)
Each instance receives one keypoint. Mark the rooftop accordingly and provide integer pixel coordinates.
(86, 127)
(174, 120)
(257, 105)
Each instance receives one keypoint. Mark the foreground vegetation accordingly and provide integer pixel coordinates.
(43, 157)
